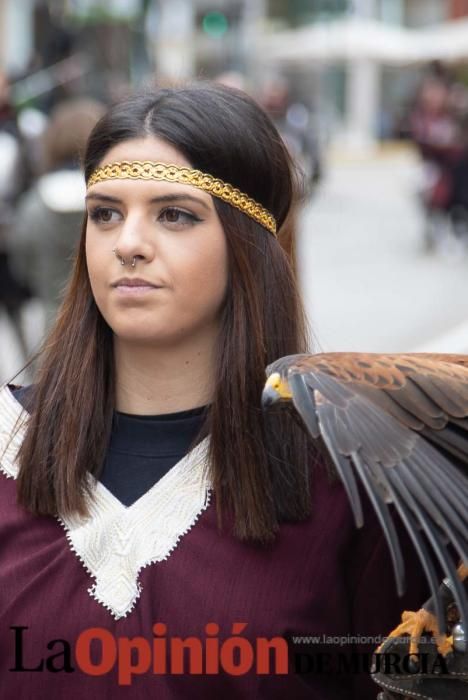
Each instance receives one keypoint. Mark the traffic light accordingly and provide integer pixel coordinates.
(215, 24)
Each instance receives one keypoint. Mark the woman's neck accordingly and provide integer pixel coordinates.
(152, 381)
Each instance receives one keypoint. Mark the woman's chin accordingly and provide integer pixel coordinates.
(145, 334)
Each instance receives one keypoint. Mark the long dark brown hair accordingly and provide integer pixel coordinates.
(259, 465)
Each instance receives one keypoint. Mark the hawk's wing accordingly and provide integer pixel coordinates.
(399, 422)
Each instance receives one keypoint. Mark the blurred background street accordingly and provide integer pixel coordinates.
(370, 96)
(369, 283)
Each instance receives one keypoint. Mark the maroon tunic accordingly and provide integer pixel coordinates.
(163, 560)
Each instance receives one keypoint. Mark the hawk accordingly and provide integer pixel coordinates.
(399, 424)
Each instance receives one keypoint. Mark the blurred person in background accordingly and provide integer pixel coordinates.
(13, 173)
(294, 123)
(459, 199)
(48, 218)
(436, 132)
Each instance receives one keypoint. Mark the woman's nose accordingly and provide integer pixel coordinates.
(133, 240)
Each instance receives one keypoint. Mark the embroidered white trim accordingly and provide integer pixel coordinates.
(117, 541)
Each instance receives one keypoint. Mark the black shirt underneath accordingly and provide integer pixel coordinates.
(142, 448)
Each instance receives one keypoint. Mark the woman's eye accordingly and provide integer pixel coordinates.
(172, 215)
(102, 215)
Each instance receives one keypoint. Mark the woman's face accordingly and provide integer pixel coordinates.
(173, 232)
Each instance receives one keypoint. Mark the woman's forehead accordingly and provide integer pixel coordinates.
(147, 148)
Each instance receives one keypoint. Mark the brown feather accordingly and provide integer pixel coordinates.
(421, 390)
(401, 422)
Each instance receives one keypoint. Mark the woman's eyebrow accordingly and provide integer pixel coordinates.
(153, 200)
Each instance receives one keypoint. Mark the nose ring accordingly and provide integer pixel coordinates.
(122, 261)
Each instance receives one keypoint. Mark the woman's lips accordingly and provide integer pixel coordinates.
(131, 287)
(133, 290)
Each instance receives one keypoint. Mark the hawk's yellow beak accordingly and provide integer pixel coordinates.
(276, 389)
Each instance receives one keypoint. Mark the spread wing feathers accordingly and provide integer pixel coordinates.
(398, 422)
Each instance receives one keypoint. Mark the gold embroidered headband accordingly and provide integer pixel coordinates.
(148, 170)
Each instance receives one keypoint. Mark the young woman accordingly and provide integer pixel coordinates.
(146, 503)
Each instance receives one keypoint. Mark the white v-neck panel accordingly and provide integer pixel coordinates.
(116, 541)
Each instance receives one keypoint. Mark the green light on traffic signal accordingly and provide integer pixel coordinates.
(215, 24)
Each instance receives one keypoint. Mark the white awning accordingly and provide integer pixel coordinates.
(356, 38)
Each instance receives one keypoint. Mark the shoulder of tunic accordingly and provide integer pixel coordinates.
(115, 542)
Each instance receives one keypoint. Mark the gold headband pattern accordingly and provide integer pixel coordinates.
(149, 170)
